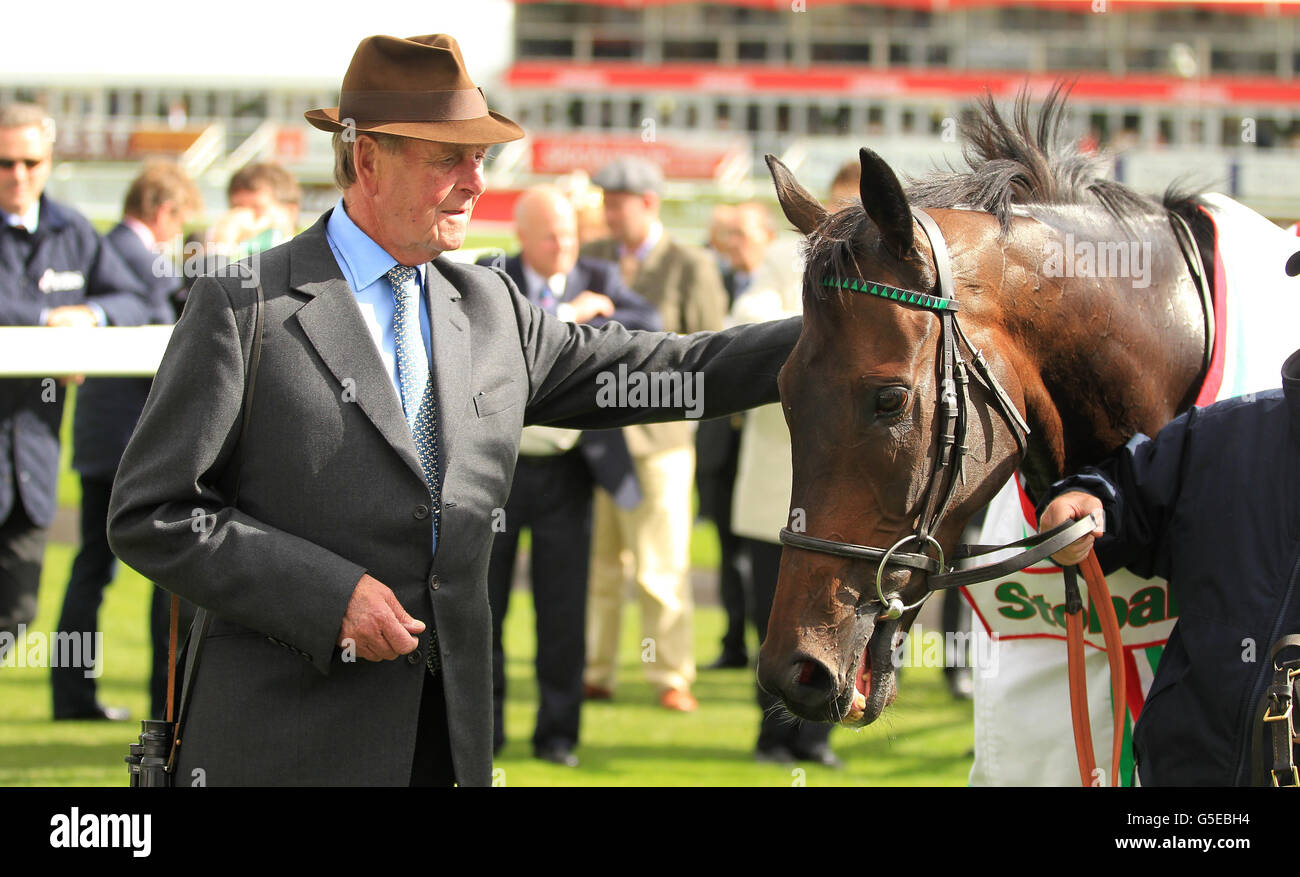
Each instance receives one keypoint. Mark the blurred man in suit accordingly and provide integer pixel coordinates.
(684, 285)
(267, 189)
(760, 502)
(557, 469)
(54, 271)
(845, 185)
(720, 231)
(158, 204)
(743, 235)
(351, 634)
(264, 199)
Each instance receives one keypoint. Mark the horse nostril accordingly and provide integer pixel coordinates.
(814, 679)
(806, 671)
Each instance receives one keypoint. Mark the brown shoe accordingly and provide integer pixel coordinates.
(675, 699)
(595, 692)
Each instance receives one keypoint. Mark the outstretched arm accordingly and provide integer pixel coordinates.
(587, 378)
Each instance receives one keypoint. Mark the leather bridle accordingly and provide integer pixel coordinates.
(949, 458)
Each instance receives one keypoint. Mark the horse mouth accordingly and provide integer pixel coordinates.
(874, 684)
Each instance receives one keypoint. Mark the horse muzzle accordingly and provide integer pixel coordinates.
(847, 686)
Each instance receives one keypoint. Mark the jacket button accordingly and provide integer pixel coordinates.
(413, 657)
(421, 512)
(434, 583)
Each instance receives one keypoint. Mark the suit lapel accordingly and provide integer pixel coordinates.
(449, 335)
(575, 284)
(515, 269)
(332, 323)
(654, 260)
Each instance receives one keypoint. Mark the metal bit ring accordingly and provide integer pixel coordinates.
(894, 608)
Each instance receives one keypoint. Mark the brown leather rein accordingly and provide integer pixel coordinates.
(947, 471)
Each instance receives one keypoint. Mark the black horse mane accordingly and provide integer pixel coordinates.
(1013, 162)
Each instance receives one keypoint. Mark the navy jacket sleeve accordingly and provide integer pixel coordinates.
(1138, 486)
(159, 280)
(15, 311)
(114, 287)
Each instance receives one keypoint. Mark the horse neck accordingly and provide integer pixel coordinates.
(1101, 357)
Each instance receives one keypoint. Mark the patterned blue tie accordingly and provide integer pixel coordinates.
(413, 377)
(413, 380)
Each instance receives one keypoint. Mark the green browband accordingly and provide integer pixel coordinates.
(903, 296)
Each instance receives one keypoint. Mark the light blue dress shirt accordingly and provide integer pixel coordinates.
(365, 266)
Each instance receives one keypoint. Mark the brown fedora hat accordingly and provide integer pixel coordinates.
(416, 87)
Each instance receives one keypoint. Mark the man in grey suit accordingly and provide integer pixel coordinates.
(352, 634)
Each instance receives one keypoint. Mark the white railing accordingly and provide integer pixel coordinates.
(205, 150)
(254, 145)
(42, 352)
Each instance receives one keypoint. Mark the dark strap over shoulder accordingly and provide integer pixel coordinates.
(203, 618)
(1276, 730)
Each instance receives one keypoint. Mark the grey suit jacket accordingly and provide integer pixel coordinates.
(331, 488)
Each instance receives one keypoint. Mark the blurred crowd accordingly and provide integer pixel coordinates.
(610, 512)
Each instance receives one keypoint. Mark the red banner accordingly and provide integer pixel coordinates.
(560, 154)
(1252, 7)
(851, 81)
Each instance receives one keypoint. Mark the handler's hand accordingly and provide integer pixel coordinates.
(376, 622)
(1072, 506)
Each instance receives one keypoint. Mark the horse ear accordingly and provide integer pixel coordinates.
(798, 204)
(885, 203)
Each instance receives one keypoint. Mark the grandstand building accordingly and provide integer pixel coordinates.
(1208, 89)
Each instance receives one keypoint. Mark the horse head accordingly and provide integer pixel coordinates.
(901, 429)
(863, 396)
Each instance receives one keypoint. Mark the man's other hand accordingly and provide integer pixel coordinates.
(589, 305)
(376, 622)
(1073, 506)
(71, 317)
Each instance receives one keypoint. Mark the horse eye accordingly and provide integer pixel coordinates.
(891, 400)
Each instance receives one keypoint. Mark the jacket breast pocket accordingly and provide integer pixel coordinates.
(500, 398)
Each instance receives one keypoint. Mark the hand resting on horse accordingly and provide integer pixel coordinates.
(376, 622)
(1073, 506)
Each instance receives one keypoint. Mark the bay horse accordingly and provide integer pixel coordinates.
(1083, 353)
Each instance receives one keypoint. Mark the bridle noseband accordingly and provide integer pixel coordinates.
(949, 462)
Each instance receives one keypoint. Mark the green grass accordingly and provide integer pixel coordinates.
(926, 738)
(629, 741)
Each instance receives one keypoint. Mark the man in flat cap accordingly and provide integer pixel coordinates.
(346, 583)
(685, 286)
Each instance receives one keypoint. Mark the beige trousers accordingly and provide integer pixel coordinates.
(655, 540)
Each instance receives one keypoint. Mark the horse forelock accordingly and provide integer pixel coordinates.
(835, 249)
